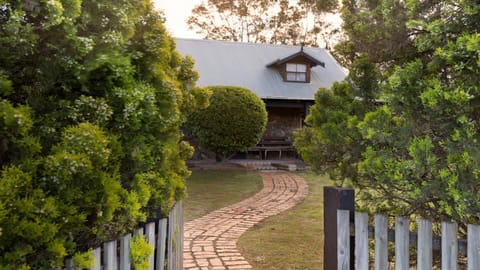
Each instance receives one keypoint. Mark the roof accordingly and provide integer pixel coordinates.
(245, 65)
(302, 54)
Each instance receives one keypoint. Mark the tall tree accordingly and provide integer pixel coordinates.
(378, 31)
(418, 152)
(240, 20)
(270, 21)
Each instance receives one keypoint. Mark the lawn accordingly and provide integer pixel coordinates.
(292, 240)
(208, 190)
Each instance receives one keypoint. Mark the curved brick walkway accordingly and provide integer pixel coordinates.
(211, 241)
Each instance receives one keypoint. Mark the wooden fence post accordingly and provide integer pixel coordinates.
(335, 198)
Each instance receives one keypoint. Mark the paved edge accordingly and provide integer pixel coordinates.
(210, 241)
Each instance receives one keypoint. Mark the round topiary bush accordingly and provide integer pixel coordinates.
(233, 122)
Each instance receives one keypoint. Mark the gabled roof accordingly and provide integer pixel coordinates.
(300, 54)
(245, 65)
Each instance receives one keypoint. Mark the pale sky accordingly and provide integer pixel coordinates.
(176, 13)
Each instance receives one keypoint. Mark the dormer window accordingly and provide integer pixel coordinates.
(296, 72)
(297, 67)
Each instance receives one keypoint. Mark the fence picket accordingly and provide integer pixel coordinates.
(176, 236)
(449, 245)
(343, 239)
(473, 253)
(110, 255)
(97, 257)
(361, 241)
(402, 241)
(69, 264)
(138, 231)
(381, 242)
(424, 245)
(161, 244)
(150, 234)
(125, 252)
(180, 236)
(166, 239)
(171, 232)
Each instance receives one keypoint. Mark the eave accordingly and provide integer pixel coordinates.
(301, 54)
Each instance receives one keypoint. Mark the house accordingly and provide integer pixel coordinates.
(286, 78)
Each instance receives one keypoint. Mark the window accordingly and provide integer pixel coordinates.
(296, 72)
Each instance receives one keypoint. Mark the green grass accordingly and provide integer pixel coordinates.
(292, 240)
(208, 190)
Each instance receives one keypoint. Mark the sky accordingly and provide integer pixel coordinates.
(176, 13)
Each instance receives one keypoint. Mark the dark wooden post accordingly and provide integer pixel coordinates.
(335, 198)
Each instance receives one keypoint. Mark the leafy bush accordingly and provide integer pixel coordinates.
(140, 252)
(234, 121)
(418, 152)
(92, 94)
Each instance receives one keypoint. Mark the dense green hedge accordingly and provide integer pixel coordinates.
(234, 121)
(92, 94)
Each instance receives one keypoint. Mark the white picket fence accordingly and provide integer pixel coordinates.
(165, 235)
(449, 243)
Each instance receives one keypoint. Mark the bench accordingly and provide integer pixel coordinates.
(273, 144)
(278, 149)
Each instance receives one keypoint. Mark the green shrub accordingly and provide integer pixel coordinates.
(140, 251)
(234, 121)
(418, 152)
(84, 260)
(92, 95)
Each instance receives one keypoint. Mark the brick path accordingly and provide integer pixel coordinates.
(211, 241)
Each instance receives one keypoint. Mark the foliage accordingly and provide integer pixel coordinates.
(271, 21)
(330, 141)
(234, 121)
(377, 31)
(418, 152)
(85, 260)
(92, 94)
(140, 252)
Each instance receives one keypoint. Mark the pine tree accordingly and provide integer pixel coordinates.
(418, 152)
